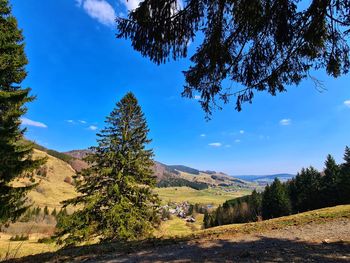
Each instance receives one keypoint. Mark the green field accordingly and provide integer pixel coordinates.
(214, 196)
(179, 227)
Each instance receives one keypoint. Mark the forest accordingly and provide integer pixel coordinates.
(309, 190)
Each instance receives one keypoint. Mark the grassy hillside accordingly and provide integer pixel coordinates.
(316, 216)
(218, 234)
(54, 183)
(55, 187)
(174, 175)
(179, 227)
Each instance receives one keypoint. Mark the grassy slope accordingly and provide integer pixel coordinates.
(222, 232)
(179, 227)
(316, 216)
(52, 189)
(207, 196)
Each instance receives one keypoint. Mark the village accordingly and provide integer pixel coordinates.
(183, 210)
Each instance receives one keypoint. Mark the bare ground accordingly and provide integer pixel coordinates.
(328, 242)
(316, 236)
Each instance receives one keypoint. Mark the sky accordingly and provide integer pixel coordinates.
(79, 70)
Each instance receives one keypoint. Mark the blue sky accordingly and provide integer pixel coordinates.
(78, 70)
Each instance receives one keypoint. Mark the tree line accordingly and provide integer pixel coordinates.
(178, 182)
(309, 190)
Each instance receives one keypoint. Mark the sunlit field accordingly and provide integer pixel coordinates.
(214, 196)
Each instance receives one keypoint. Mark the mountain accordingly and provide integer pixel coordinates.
(78, 154)
(177, 175)
(56, 182)
(265, 179)
(182, 168)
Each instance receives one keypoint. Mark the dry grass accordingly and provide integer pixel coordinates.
(17, 249)
(52, 189)
(316, 216)
(222, 232)
(179, 227)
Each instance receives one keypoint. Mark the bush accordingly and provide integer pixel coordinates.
(19, 238)
(45, 240)
(68, 180)
(165, 214)
(42, 171)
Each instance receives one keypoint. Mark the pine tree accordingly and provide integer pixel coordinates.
(330, 182)
(275, 201)
(344, 183)
(37, 211)
(304, 190)
(255, 205)
(116, 191)
(54, 212)
(206, 220)
(15, 154)
(46, 211)
(260, 45)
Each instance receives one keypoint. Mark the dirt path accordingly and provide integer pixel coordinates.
(327, 242)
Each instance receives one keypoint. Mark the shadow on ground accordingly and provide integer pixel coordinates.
(262, 249)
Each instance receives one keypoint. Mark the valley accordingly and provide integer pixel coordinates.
(56, 183)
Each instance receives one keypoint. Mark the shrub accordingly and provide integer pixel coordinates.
(19, 238)
(45, 240)
(68, 180)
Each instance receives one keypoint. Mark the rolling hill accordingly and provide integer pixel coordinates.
(265, 179)
(176, 175)
(55, 182)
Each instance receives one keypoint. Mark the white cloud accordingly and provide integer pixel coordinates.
(241, 131)
(285, 122)
(215, 144)
(237, 141)
(197, 97)
(347, 103)
(203, 135)
(70, 121)
(100, 10)
(93, 127)
(28, 122)
(131, 4)
(228, 145)
(82, 122)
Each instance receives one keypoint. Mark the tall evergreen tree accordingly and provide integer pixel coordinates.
(330, 182)
(115, 192)
(15, 154)
(304, 190)
(344, 183)
(255, 205)
(275, 202)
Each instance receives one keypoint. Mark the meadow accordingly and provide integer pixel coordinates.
(213, 196)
